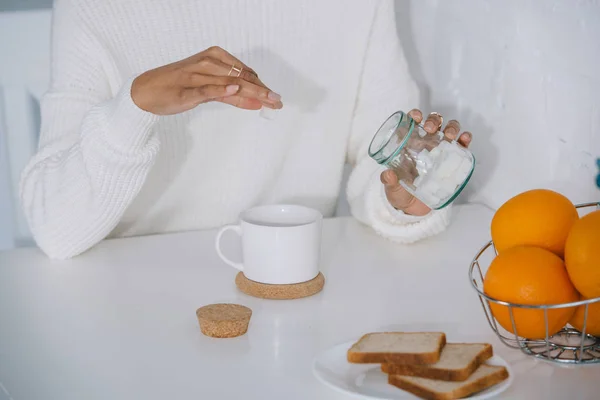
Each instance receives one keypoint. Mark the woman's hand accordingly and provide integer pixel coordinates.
(398, 197)
(212, 75)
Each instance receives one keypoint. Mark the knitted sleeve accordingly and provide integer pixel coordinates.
(386, 86)
(95, 147)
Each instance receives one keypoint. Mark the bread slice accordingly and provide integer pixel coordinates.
(484, 377)
(457, 362)
(398, 348)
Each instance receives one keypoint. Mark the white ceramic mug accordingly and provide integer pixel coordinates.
(280, 243)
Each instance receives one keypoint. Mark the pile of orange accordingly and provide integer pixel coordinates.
(547, 255)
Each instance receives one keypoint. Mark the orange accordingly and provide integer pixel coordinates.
(582, 255)
(530, 276)
(539, 217)
(593, 318)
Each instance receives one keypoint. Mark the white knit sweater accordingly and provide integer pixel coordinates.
(105, 168)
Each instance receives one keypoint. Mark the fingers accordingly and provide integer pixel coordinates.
(216, 62)
(389, 179)
(223, 94)
(465, 138)
(452, 129)
(433, 123)
(247, 89)
(396, 194)
(242, 102)
(212, 66)
(205, 93)
(229, 60)
(416, 114)
(398, 197)
(250, 90)
(226, 58)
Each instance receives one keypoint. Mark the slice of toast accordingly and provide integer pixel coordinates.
(398, 348)
(457, 362)
(484, 377)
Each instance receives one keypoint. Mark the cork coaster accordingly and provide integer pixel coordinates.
(224, 320)
(280, 292)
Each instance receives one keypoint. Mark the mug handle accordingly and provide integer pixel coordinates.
(236, 229)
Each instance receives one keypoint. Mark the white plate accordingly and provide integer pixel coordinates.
(366, 381)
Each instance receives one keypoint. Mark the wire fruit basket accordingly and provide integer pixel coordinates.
(567, 346)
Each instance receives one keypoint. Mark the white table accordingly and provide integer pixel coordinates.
(119, 321)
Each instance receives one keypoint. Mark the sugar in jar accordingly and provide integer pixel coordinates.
(432, 167)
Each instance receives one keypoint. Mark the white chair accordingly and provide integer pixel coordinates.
(24, 77)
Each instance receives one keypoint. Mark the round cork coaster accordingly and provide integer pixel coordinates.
(280, 292)
(223, 320)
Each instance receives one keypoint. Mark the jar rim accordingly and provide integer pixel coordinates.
(377, 154)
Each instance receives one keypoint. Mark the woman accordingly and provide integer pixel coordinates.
(152, 125)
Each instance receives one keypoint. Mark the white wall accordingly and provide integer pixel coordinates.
(24, 76)
(6, 221)
(523, 77)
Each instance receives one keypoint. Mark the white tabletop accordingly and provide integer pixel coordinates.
(119, 321)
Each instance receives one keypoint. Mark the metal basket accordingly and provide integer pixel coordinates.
(568, 346)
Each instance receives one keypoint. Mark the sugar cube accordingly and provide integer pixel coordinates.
(268, 113)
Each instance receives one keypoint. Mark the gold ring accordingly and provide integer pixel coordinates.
(441, 119)
(234, 68)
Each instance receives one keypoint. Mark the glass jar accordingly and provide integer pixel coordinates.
(432, 167)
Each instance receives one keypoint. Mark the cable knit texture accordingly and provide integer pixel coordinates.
(106, 168)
